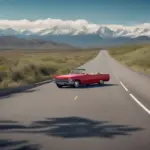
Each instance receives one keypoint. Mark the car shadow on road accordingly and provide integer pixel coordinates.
(92, 86)
(70, 127)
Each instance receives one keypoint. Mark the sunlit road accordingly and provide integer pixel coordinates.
(111, 117)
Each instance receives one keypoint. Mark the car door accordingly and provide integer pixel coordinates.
(96, 78)
(86, 79)
(90, 78)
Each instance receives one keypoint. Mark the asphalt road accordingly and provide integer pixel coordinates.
(115, 116)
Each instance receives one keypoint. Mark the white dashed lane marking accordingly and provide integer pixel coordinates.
(123, 86)
(139, 103)
(135, 99)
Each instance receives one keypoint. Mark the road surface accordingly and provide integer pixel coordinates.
(111, 117)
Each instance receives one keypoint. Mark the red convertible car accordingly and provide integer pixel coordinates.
(79, 77)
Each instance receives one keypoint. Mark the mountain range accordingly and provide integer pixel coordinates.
(81, 36)
(47, 27)
(13, 42)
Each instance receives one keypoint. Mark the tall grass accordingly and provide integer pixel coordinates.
(30, 67)
(135, 56)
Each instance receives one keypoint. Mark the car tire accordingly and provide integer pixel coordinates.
(101, 82)
(59, 86)
(76, 83)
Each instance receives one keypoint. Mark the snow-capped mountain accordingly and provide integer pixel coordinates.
(69, 27)
(102, 31)
(78, 32)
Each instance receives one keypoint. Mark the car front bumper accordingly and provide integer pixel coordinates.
(63, 82)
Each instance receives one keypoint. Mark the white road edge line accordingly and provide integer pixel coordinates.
(123, 86)
(140, 104)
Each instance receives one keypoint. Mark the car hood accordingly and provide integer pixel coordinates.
(68, 76)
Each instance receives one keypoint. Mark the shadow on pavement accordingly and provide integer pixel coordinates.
(17, 92)
(70, 127)
(17, 145)
(8, 92)
(92, 86)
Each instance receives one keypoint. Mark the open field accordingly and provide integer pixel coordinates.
(24, 67)
(135, 56)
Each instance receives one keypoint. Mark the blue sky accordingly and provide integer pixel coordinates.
(125, 12)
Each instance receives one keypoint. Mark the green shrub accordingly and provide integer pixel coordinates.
(17, 75)
(24, 69)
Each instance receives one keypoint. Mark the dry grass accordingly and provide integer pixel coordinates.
(135, 56)
(19, 67)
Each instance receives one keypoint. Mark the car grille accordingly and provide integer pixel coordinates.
(61, 80)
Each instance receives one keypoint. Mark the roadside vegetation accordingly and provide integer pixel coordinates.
(135, 56)
(25, 67)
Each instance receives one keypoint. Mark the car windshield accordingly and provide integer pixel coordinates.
(78, 71)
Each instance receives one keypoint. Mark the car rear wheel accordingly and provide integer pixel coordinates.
(101, 82)
(76, 84)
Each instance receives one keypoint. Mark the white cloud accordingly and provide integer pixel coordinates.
(50, 23)
(71, 26)
(47, 23)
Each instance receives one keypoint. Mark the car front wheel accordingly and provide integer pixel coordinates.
(76, 84)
